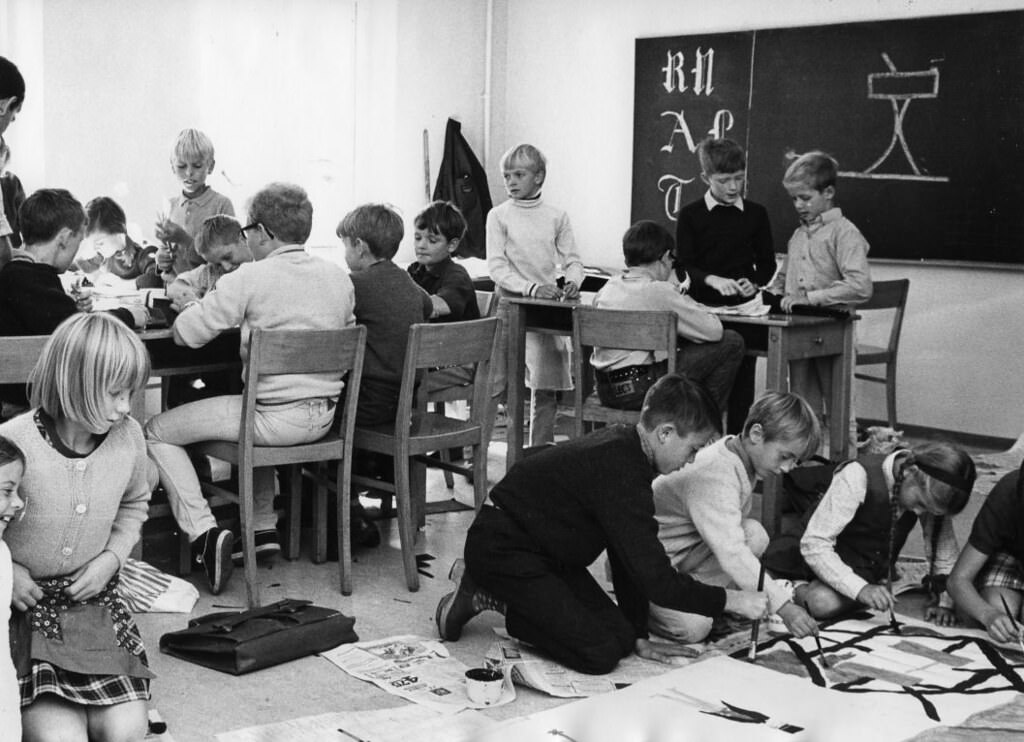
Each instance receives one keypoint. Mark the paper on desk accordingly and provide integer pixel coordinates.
(755, 307)
(397, 724)
(414, 668)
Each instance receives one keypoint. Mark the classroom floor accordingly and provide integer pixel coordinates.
(197, 703)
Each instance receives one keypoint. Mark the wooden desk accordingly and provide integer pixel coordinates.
(170, 359)
(785, 338)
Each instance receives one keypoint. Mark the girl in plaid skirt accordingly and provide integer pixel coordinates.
(81, 666)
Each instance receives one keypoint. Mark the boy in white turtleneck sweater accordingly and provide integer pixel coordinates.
(703, 512)
(527, 240)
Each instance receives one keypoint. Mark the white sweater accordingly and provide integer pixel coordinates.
(706, 502)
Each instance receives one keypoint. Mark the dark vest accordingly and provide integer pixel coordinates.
(864, 543)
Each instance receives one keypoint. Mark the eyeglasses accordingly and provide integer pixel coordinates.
(256, 225)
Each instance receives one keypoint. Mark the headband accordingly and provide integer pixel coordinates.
(953, 480)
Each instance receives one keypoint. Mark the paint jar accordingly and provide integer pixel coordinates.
(484, 685)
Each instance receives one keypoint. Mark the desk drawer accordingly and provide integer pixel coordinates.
(808, 342)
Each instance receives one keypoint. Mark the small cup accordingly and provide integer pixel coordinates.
(484, 685)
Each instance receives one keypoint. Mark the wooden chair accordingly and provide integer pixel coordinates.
(18, 356)
(417, 431)
(459, 394)
(295, 352)
(891, 295)
(614, 328)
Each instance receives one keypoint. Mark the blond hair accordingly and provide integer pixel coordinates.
(87, 357)
(784, 416)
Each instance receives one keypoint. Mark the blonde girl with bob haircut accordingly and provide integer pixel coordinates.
(82, 669)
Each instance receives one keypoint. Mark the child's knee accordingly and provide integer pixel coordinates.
(755, 536)
(820, 600)
(677, 626)
(601, 657)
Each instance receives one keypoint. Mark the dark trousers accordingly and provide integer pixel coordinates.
(712, 364)
(559, 609)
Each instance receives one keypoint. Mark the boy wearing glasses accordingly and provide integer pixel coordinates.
(285, 288)
(191, 162)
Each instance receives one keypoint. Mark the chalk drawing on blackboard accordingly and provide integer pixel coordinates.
(900, 88)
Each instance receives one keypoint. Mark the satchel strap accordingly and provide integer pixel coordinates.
(228, 621)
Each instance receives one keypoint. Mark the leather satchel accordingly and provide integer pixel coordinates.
(239, 642)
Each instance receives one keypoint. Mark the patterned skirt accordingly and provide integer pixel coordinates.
(87, 653)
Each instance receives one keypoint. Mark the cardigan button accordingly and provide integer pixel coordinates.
(80, 465)
(80, 508)
(66, 551)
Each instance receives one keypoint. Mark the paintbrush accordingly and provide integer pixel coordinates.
(1009, 615)
(821, 653)
(752, 654)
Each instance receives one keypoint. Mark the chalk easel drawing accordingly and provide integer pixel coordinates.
(900, 88)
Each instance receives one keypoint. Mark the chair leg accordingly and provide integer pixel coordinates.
(890, 393)
(294, 511)
(246, 516)
(344, 487)
(449, 480)
(479, 474)
(320, 516)
(406, 525)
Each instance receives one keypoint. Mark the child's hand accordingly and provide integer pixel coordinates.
(548, 291)
(747, 288)
(725, 286)
(164, 258)
(877, 597)
(797, 620)
(93, 576)
(746, 603)
(25, 593)
(662, 651)
(941, 615)
(168, 231)
(82, 296)
(570, 290)
(791, 300)
(181, 294)
(1001, 627)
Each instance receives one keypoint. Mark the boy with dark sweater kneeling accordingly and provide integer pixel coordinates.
(528, 551)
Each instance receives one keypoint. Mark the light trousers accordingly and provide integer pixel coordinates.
(218, 419)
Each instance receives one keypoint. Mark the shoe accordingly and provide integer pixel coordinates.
(364, 532)
(213, 550)
(267, 546)
(455, 609)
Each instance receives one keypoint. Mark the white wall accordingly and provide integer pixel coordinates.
(112, 81)
(567, 80)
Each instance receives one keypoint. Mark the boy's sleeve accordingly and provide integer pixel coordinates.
(565, 246)
(457, 291)
(851, 250)
(498, 265)
(685, 261)
(692, 322)
(835, 511)
(216, 312)
(134, 507)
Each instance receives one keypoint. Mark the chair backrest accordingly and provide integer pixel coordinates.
(18, 356)
(890, 295)
(273, 352)
(439, 345)
(624, 329)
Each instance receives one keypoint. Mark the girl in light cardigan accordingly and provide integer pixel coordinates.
(81, 665)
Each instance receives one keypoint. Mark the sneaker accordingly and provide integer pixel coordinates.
(455, 609)
(212, 550)
(267, 546)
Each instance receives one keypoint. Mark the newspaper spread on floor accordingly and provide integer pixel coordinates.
(532, 669)
(414, 668)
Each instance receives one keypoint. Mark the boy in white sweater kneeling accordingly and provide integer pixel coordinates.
(703, 512)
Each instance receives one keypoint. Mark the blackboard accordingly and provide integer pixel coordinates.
(925, 117)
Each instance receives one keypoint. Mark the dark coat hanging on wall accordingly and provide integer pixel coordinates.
(462, 181)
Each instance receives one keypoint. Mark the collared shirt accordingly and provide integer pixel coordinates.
(828, 259)
(711, 202)
(838, 507)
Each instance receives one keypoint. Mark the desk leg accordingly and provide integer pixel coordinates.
(776, 379)
(839, 404)
(515, 379)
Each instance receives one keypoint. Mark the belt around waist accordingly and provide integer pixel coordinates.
(629, 373)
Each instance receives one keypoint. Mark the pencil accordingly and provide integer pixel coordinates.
(752, 654)
(1009, 615)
